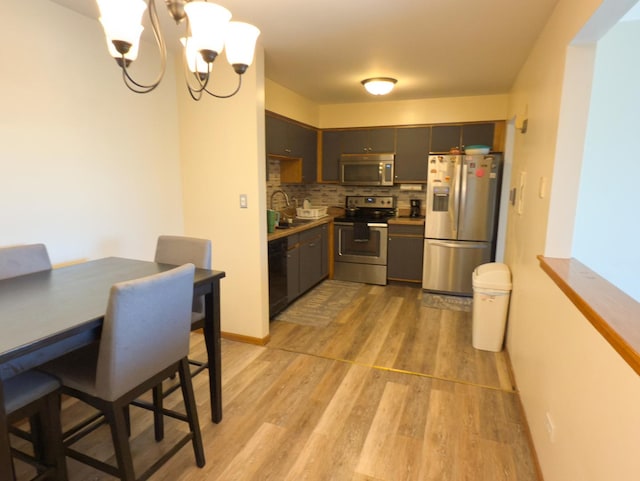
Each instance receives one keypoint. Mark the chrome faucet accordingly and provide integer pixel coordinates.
(286, 197)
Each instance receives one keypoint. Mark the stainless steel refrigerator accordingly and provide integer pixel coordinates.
(461, 219)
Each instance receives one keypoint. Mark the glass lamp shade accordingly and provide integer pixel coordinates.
(208, 23)
(380, 85)
(122, 21)
(241, 43)
(195, 62)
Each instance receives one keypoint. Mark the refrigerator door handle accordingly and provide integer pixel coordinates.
(455, 185)
(463, 195)
(459, 245)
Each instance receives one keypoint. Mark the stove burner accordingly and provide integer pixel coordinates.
(360, 208)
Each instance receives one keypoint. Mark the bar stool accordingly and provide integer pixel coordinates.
(36, 395)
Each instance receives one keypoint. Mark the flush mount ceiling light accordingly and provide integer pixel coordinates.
(208, 31)
(379, 85)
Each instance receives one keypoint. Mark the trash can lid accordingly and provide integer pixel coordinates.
(493, 275)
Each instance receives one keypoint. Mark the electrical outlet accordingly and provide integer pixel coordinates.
(550, 427)
(243, 201)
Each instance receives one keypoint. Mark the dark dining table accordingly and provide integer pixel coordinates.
(49, 313)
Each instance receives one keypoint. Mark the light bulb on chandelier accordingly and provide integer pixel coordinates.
(209, 31)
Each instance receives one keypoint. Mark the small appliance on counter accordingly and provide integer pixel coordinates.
(416, 210)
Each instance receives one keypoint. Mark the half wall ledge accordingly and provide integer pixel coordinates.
(613, 313)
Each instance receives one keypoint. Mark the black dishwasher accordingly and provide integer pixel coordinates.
(277, 276)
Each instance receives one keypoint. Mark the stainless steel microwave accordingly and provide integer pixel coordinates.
(367, 169)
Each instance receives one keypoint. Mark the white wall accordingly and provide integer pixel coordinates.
(223, 156)
(286, 102)
(607, 226)
(86, 166)
(411, 112)
(563, 367)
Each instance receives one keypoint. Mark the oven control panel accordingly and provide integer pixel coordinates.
(372, 202)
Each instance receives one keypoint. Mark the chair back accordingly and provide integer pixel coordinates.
(178, 250)
(21, 260)
(145, 330)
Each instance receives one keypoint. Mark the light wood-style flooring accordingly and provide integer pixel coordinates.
(389, 391)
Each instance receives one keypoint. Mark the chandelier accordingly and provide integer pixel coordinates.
(379, 85)
(209, 31)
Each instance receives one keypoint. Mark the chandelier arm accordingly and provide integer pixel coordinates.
(157, 33)
(193, 93)
(228, 95)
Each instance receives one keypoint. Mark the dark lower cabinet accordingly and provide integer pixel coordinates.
(405, 252)
(310, 258)
(296, 264)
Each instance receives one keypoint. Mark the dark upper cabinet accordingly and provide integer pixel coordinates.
(330, 155)
(309, 155)
(277, 135)
(366, 141)
(445, 137)
(478, 134)
(412, 151)
(289, 139)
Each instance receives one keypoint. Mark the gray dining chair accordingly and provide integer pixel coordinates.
(23, 259)
(32, 394)
(36, 396)
(177, 250)
(145, 339)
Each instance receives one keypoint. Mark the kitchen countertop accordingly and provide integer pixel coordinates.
(402, 220)
(280, 233)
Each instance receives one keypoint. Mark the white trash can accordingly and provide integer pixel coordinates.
(491, 291)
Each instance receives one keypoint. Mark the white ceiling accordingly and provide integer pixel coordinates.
(435, 48)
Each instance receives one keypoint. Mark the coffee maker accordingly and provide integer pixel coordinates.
(415, 208)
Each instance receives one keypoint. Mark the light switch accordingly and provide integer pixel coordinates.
(243, 201)
(542, 189)
(521, 185)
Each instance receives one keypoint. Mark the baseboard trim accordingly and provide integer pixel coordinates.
(527, 428)
(246, 339)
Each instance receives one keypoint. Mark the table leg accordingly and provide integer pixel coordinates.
(212, 341)
(6, 464)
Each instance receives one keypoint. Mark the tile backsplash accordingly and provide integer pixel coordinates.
(331, 194)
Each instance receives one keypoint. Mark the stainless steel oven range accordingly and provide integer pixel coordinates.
(360, 239)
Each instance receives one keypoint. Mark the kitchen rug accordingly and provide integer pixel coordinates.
(322, 304)
(452, 303)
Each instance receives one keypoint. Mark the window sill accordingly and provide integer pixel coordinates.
(613, 313)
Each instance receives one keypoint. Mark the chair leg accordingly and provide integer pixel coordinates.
(52, 438)
(116, 419)
(192, 411)
(158, 417)
(37, 434)
(127, 419)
